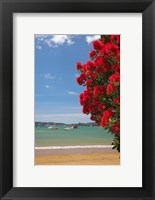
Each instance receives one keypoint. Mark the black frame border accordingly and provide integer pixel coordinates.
(7, 8)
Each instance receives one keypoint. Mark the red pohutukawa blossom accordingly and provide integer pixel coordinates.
(101, 77)
(79, 66)
(101, 107)
(89, 83)
(111, 88)
(117, 100)
(99, 90)
(106, 117)
(79, 80)
(115, 78)
(116, 68)
(92, 54)
(116, 128)
(90, 66)
(98, 45)
(115, 39)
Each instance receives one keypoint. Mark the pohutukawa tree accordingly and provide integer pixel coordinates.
(101, 78)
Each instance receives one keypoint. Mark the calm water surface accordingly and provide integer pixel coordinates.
(83, 135)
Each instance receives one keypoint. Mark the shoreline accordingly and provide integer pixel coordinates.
(74, 147)
(67, 150)
(77, 156)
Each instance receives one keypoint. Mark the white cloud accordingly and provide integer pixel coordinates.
(53, 40)
(48, 86)
(70, 42)
(49, 76)
(72, 93)
(40, 36)
(50, 43)
(57, 40)
(91, 38)
(38, 47)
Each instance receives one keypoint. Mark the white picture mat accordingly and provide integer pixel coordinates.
(129, 172)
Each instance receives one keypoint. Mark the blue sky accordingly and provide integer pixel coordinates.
(56, 90)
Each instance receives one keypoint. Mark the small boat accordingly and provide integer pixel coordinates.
(69, 128)
(53, 127)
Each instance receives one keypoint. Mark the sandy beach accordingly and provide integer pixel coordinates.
(78, 156)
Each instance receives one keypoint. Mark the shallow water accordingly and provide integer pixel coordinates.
(83, 135)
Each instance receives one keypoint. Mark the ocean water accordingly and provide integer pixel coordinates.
(83, 135)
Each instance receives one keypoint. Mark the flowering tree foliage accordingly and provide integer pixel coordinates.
(101, 76)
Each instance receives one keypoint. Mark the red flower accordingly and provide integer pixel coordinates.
(101, 107)
(79, 80)
(86, 99)
(86, 92)
(106, 67)
(81, 95)
(91, 74)
(92, 118)
(118, 56)
(117, 100)
(114, 49)
(115, 78)
(103, 123)
(103, 69)
(106, 116)
(102, 40)
(79, 66)
(116, 68)
(84, 68)
(90, 65)
(93, 109)
(81, 98)
(105, 50)
(97, 45)
(99, 61)
(111, 88)
(88, 83)
(86, 109)
(115, 128)
(115, 39)
(109, 113)
(83, 76)
(96, 100)
(99, 90)
(109, 50)
(92, 54)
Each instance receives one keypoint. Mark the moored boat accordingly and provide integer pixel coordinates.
(53, 127)
(69, 128)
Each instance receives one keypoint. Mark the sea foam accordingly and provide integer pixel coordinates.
(75, 147)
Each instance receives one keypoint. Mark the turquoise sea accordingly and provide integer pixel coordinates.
(83, 135)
